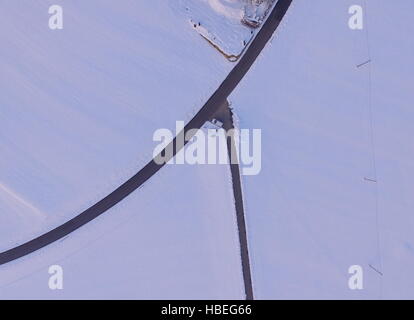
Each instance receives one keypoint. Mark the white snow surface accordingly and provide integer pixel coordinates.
(79, 106)
(219, 21)
(310, 213)
(175, 238)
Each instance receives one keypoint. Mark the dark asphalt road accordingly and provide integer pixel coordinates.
(225, 115)
(207, 111)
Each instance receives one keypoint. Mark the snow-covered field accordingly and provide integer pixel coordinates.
(312, 212)
(176, 238)
(79, 106)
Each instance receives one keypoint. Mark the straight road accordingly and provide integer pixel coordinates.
(225, 115)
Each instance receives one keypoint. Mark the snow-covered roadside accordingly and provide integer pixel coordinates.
(220, 23)
(79, 106)
(311, 213)
(175, 238)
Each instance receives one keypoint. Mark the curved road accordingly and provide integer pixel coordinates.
(207, 111)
